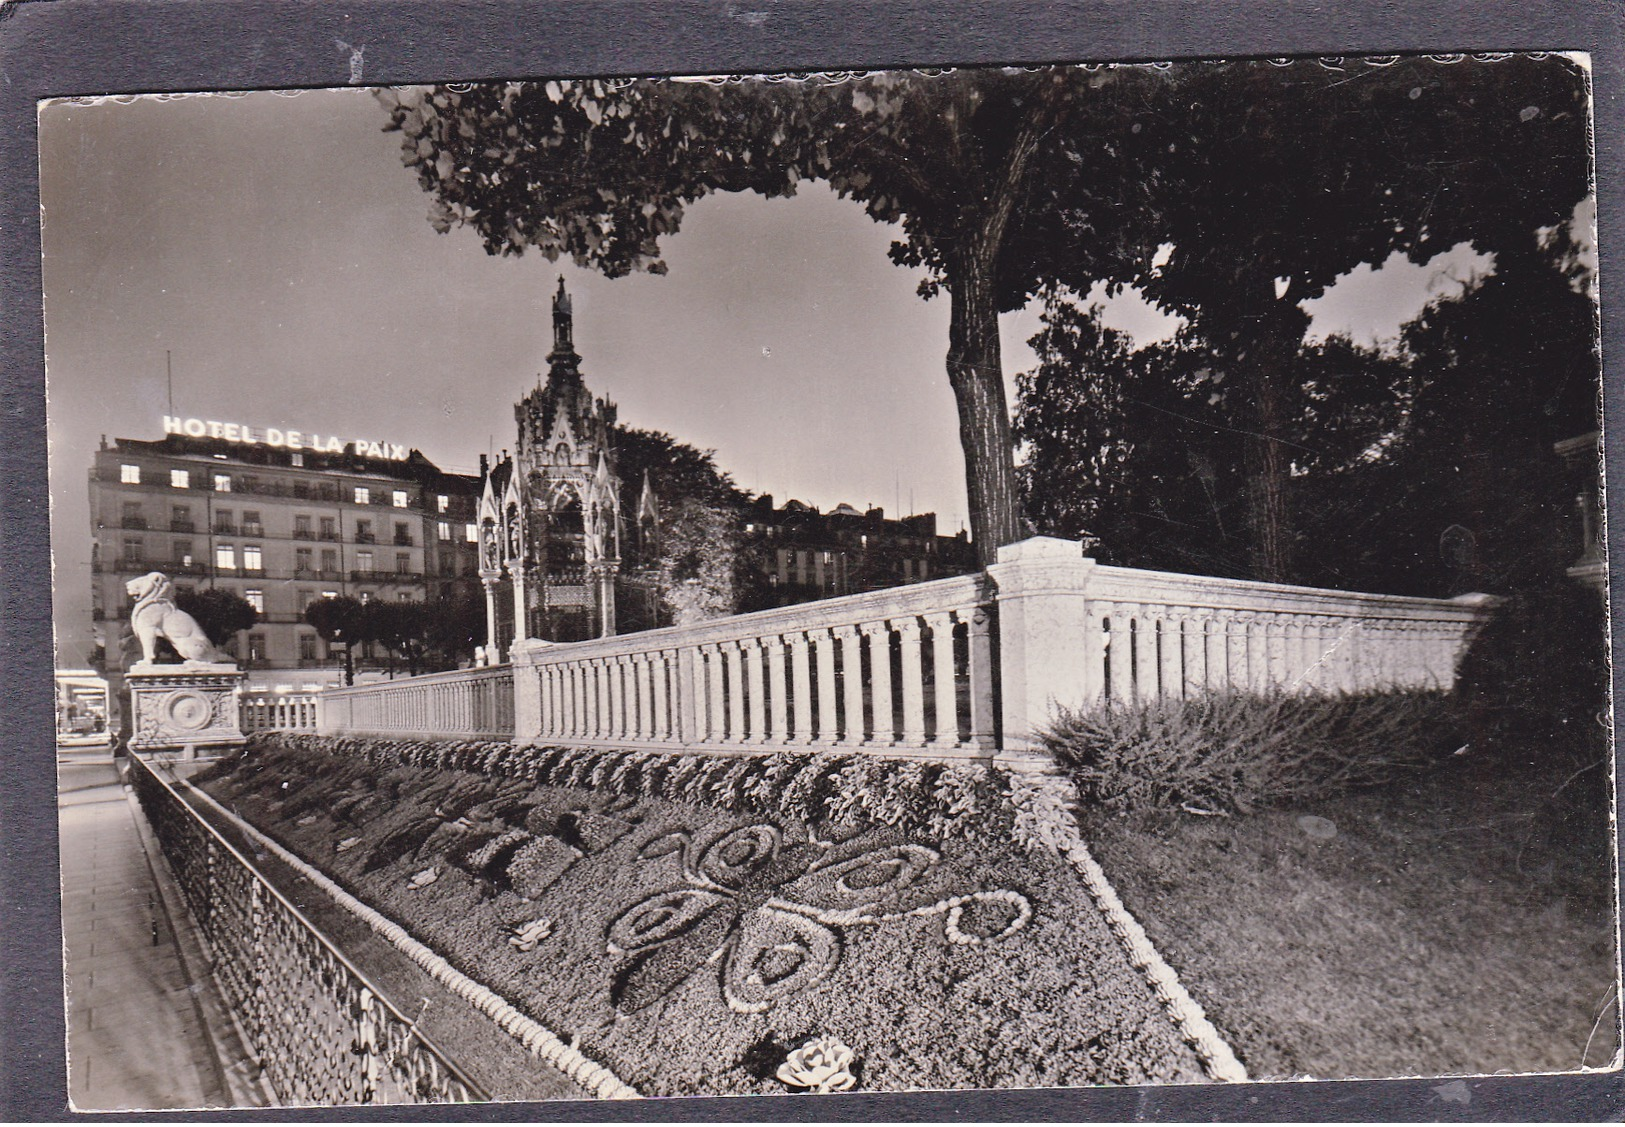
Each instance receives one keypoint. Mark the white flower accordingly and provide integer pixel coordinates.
(526, 936)
(822, 1065)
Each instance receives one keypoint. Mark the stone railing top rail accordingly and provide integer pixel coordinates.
(1049, 565)
(444, 677)
(958, 592)
(1124, 584)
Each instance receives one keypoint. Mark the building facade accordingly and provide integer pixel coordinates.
(280, 518)
(804, 554)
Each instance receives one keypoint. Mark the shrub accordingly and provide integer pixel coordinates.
(1240, 751)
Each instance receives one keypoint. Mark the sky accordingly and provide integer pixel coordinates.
(275, 247)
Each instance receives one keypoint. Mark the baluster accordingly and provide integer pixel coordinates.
(757, 712)
(913, 735)
(778, 691)
(979, 626)
(1171, 652)
(1094, 656)
(827, 692)
(800, 689)
(716, 720)
(647, 728)
(1119, 643)
(945, 692)
(736, 693)
(1274, 650)
(881, 707)
(851, 684)
(1197, 623)
(1145, 653)
(660, 687)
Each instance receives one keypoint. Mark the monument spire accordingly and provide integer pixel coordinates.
(563, 362)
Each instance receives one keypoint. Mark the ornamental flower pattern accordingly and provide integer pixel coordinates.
(766, 912)
(823, 1064)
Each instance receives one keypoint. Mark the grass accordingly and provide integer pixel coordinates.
(1457, 921)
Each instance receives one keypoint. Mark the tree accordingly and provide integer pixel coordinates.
(700, 561)
(402, 628)
(1143, 450)
(221, 613)
(602, 171)
(1262, 183)
(339, 620)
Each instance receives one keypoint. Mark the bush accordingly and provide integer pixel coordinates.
(1241, 751)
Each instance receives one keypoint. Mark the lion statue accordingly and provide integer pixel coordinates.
(155, 615)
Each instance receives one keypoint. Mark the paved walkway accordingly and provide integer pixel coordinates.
(146, 1029)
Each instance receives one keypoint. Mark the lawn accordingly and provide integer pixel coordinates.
(1458, 921)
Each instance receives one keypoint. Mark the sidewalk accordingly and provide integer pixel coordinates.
(140, 1008)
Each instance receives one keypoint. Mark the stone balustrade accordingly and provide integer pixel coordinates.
(955, 668)
(287, 712)
(460, 704)
(901, 671)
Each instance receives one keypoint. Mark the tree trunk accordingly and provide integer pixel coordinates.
(1270, 336)
(976, 374)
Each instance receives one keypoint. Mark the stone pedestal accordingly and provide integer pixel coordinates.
(189, 709)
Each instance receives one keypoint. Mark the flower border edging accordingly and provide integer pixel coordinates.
(1043, 819)
(539, 1040)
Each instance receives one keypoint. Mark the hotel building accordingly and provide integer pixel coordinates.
(280, 518)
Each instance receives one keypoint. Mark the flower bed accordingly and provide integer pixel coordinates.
(691, 922)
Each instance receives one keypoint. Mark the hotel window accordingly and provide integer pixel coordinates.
(363, 532)
(130, 475)
(471, 533)
(398, 498)
(222, 483)
(130, 515)
(442, 503)
(223, 522)
(180, 479)
(251, 558)
(298, 459)
(255, 598)
(445, 530)
(330, 559)
(306, 597)
(251, 523)
(256, 647)
(307, 647)
(183, 552)
(301, 559)
(301, 526)
(403, 563)
(363, 495)
(134, 552)
(330, 528)
(225, 557)
(403, 533)
(363, 560)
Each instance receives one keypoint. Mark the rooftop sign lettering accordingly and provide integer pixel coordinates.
(286, 439)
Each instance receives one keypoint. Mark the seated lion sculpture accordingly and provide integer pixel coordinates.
(155, 615)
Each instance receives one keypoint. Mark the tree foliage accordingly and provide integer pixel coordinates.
(221, 613)
(603, 171)
(1263, 183)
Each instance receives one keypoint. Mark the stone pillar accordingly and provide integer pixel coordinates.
(604, 581)
(521, 616)
(1042, 590)
(827, 696)
(880, 694)
(852, 682)
(945, 697)
(801, 690)
(913, 734)
(492, 652)
(190, 709)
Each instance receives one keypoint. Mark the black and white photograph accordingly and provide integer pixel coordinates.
(848, 581)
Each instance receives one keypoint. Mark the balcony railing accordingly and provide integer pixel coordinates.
(252, 529)
(303, 534)
(365, 538)
(223, 529)
(182, 526)
(329, 534)
(133, 522)
(374, 576)
(322, 1032)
